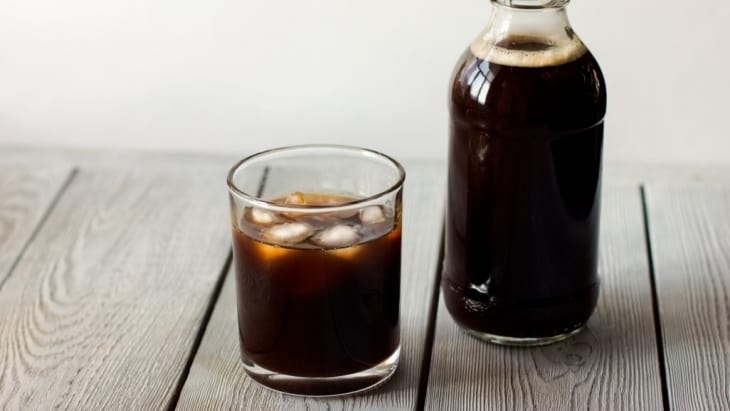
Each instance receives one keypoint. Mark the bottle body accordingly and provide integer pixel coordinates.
(525, 149)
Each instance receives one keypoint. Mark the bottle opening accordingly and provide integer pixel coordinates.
(528, 33)
(532, 4)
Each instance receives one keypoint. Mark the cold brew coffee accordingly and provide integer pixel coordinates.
(526, 137)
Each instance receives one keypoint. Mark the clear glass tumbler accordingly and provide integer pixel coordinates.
(317, 252)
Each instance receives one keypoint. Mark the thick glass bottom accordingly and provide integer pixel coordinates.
(326, 386)
(522, 341)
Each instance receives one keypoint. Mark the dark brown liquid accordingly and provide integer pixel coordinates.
(313, 311)
(524, 195)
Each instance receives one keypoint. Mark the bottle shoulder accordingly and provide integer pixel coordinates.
(482, 87)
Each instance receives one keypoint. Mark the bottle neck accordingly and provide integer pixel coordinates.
(546, 23)
(528, 32)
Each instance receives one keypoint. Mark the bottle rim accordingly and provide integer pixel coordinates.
(532, 4)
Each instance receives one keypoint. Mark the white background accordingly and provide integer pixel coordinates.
(236, 76)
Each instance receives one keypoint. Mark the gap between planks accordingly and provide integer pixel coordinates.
(201, 332)
(209, 310)
(655, 300)
(44, 217)
(690, 236)
(430, 330)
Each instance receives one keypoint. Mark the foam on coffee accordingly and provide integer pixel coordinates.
(558, 52)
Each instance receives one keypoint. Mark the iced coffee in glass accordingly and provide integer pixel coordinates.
(316, 247)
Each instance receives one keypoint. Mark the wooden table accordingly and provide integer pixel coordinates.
(116, 293)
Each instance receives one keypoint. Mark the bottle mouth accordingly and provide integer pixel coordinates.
(532, 4)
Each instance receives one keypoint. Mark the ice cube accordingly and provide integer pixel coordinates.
(288, 233)
(300, 198)
(295, 198)
(263, 217)
(372, 215)
(339, 235)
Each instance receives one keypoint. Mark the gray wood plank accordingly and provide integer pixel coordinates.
(217, 379)
(612, 364)
(690, 238)
(26, 193)
(111, 158)
(642, 173)
(103, 310)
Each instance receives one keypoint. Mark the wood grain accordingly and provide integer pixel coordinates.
(26, 193)
(690, 238)
(611, 365)
(217, 379)
(103, 309)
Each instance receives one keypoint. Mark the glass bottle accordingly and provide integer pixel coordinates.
(527, 103)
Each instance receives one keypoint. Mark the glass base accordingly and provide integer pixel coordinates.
(325, 386)
(522, 341)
